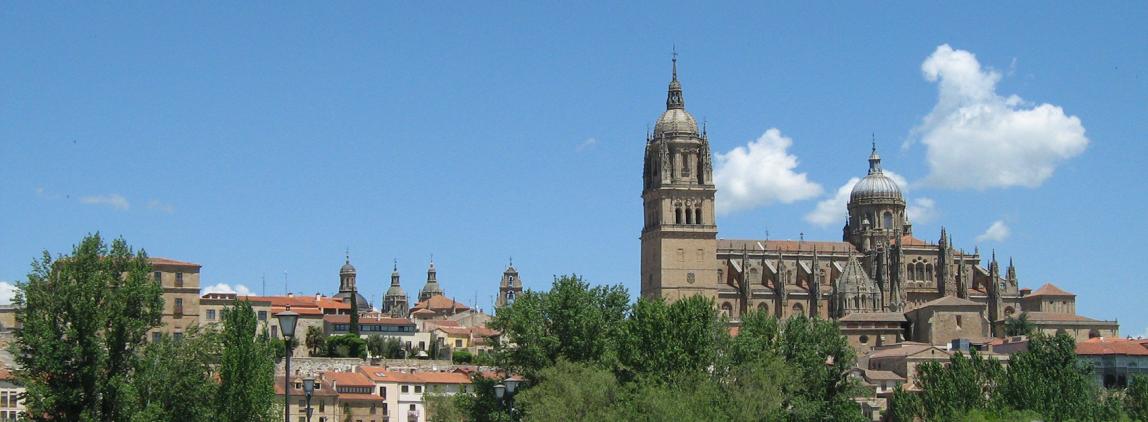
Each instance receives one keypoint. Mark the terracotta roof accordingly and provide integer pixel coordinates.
(874, 317)
(346, 319)
(348, 379)
(909, 240)
(457, 331)
(300, 301)
(786, 246)
(903, 349)
(877, 375)
(441, 303)
(359, 397)
(168, 262)
(948, 301)
(1111, 346)
(382, 374)
(322, 387)
(1048, 289)
(1057, 316)
(5, 374)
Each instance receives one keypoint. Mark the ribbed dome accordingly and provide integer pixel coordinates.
(396, 291)
(876, 185)
(347, 268)
(676, 121)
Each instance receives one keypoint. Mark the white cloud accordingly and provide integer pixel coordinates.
(7, 292)
(238, 289)
(834, 210)
(996, 232)
(976, 138)
(760, 173)
(922, 210)
(114, 200)
(587, 144)
(158, 205)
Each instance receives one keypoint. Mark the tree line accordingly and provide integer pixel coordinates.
(82, 356)
(589, 354)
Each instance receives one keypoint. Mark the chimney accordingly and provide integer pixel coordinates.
(289, 294)
(318, 296)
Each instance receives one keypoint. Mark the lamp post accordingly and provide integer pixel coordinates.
(505, 393)
(287, 320)
(308, 389)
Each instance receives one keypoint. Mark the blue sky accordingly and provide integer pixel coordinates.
(266, 138)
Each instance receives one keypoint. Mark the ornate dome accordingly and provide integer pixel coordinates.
(876, 185)
(675, 121)
(347, 268)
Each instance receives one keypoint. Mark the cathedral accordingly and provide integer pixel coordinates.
(881, 282)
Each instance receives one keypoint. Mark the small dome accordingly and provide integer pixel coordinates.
(676, 121)
(396, 291)
(876, 186)
(347, 268)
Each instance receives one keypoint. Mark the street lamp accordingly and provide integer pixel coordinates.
(308, 389)
(505, 393)
(287, 320)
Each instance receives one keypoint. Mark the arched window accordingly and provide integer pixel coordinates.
(798, 309)
(887, 220)
(677, 216)
(1093, 333)
(698, 216)
(928, 271)
(689, 217)
(1008, 311)
(864, 339)
(920, 273)
(752, 275)
(763, 307)
(726, 310)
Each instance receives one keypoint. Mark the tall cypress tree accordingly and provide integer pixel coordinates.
(355, 312)
(247, 369)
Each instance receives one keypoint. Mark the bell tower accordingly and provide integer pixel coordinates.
(679, 237)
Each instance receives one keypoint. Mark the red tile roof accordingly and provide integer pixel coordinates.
(441, 303)
(1048, 289)
(168, 262)
(348, 379)
(382, 374)
(1110, 346)
(323, 387)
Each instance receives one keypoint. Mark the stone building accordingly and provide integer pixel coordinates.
(395, 300)
(510, 286)
(347, 287)
(431, 288)
(879, 267)
(180, 281)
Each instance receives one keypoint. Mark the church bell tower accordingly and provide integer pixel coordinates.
(679, 237)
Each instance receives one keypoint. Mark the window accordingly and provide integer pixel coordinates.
(457, 342)
(262, 315)
(383, 392)
(958, 321)
(888, 220)
(698, 216)
(177, 336)
(726, 310)
(864, 339)
(211, 315)
(158, 276)
(156, 336)
(677, 216)
(322, 403)
(763, 307)
(302, 404)
(422, 345)
(373, 408)
(178, 307)
(405, 388)
(274, 331)
(798, 309)
(178, 279)
(689, 217)
(418, 388)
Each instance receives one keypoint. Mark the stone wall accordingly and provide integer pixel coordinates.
(313, 365)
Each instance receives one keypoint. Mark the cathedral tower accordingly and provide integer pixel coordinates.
(510, 286)
(431, 288)
(876, 209)
(395, 301)
(679, 237)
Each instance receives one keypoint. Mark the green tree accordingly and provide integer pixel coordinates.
(82, 319)
(247, 369)
(661, 339)
(462, 357)
(1048, 379)
(821, 358)
(572, 321)
(569, 391)
(966, 384)
(174, 380)
(316, 340)
(376, 345)
(1136, 398)
(354, 313)
(1019, 326)
(346, 346)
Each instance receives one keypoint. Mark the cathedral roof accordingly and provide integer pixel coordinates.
(1048, 289)
(948, 301)
(874, 317)
(439, 303)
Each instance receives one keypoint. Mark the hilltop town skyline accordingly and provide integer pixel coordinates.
(259, 152)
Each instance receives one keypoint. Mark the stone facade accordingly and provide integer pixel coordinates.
(879, 266)
(180, 281)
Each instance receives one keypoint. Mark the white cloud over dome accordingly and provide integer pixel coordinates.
(977, 139)
(834, 210)
(760, 173)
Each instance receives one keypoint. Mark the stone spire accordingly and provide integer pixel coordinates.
(510, 287)
(674, 99)
(874, 159)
